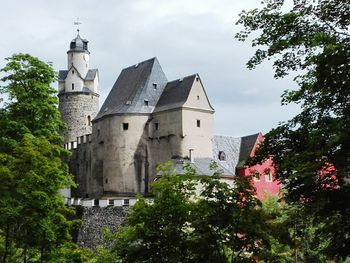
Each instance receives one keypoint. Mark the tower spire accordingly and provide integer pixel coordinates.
(77, 23)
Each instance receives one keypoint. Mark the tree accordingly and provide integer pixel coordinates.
(311, 151)
(32, 164)
(192, 219)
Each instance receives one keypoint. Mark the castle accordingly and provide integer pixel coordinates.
(145, 120)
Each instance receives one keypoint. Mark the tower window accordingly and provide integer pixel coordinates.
(198, 123)
(89, 120)
(197, 97)
(72, 86)
(125, 126)
(72, 71)
(156, 126)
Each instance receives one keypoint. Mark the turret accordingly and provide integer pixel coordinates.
(78, 91)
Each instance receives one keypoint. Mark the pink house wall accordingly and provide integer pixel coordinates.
(262, 186)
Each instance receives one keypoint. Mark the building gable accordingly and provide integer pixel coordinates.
(197, 97)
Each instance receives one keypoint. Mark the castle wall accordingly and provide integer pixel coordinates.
(198, 132)
(122, 151)
(165, 142)
(75, 109)
(94, 219)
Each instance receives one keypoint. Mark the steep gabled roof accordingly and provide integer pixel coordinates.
(62, 75)
(135, 85)
(247, 146)
(175, 93)
(91, 74)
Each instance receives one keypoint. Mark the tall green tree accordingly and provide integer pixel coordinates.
(32, 166)
(311, 151)
(192, 219)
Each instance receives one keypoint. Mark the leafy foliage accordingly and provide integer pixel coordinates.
(33, 222)
(192, 219)
(311, 151)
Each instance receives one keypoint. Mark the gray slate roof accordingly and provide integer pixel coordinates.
(246, 148)
(135, 86)
(62, 74)
(90, 75)
(78, 44)
(231, 147)
(201, 165)
(237, 150)
(175, 93)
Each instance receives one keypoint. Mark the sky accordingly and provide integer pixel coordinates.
(187, 37)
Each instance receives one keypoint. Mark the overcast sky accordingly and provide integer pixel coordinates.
(187, 36)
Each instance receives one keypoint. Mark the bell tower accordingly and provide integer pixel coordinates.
(78, 91)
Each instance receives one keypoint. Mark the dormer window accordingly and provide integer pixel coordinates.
(222, 156)
(146, 102)
(72, 45)
(154, 85)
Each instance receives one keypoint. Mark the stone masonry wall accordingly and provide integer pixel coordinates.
(94, 219)
(75, 107)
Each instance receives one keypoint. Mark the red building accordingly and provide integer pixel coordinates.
(233, 153)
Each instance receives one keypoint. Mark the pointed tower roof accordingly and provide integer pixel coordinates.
(78, 44)
(137, 89)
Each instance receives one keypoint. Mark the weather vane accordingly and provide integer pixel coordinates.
(77, 23)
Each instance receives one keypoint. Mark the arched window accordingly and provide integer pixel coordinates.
(89, 120)
(222, 156)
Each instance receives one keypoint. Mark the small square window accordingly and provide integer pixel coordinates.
(198, 123)
(110, 202)
(156, 126)
(125, 126)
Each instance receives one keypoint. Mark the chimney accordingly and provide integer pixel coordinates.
(192, 155)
